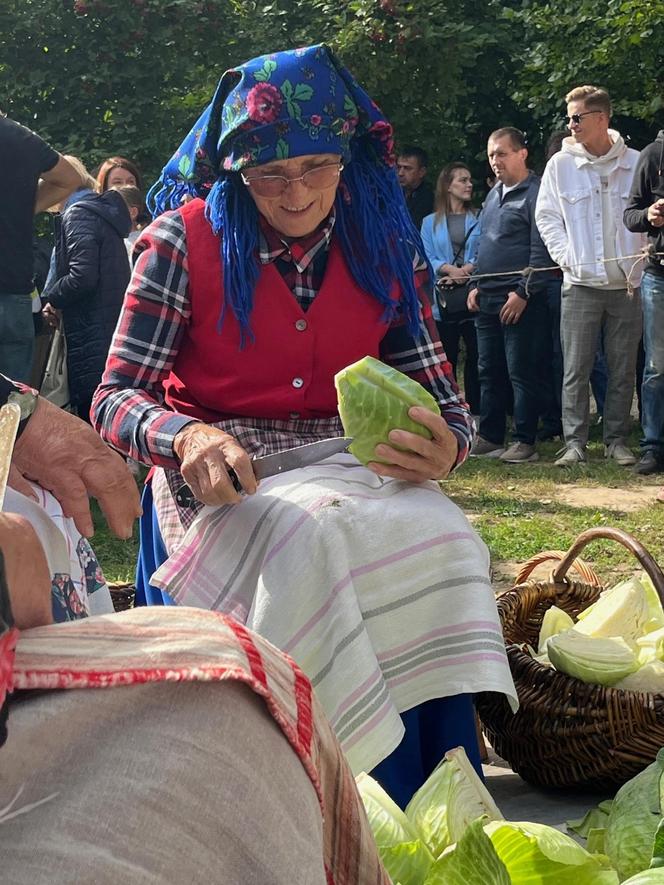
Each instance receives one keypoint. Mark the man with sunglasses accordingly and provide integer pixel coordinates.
(579, 215)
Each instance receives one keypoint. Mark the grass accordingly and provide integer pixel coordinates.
(117, 558)
(515, 508)
(518, 512)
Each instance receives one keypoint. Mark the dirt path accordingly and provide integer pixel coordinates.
(605, 498)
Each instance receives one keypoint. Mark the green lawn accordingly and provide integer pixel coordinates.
(515, 508)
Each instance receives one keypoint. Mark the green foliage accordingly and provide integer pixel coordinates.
(97, 77)
(615, 43)
(101, 77)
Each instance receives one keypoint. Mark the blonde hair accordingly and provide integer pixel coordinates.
(88, 180)
(593, 97)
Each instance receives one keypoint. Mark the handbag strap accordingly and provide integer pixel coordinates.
(462, 247)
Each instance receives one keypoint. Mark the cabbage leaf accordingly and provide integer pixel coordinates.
(535, 854)
(598, 661)
(405, 857)
(647, 877)
(634, 818)
(374, 399)
(555, 621)
(472, 860)
(451, 798)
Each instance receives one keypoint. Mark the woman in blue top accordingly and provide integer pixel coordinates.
(450, 236)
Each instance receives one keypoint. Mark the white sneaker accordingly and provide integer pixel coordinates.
(570, 456)
(620, 454)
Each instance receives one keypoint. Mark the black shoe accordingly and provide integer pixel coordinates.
(648, 464)
(546, 433)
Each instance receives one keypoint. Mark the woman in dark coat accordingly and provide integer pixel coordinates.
(92, 273)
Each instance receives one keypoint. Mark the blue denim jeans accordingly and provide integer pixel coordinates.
(509, 355)
(551, 361)
(17, 336)
(652, 391)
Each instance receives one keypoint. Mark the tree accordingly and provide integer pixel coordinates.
(615, 43)
(97, 77)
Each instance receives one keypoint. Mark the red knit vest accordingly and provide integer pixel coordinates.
(288, 370)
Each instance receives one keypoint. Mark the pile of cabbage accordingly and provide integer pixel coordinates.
(618, 641)
(452, 833)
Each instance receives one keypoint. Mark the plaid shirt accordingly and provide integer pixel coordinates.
(128, 408)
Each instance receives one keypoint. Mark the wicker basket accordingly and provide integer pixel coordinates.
(123, 596)
(567, 733)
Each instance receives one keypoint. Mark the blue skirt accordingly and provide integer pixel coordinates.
(432, 728)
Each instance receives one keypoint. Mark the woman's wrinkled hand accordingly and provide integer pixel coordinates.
(424, 458)
(205, 454)
(26, 572)
(65, 456)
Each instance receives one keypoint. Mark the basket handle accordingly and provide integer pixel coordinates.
(579, 565)
(622, 537)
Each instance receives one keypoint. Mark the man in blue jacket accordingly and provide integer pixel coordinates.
(511, 311)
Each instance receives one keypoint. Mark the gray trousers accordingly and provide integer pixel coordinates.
(584, 313)
(162, 783)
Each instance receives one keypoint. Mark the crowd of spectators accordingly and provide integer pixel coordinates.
(555, 287)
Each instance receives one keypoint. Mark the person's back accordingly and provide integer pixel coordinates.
(23, 157)
(92, 273)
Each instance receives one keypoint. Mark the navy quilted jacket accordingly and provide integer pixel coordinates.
(92, 273)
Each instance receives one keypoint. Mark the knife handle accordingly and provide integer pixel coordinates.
(184, 497)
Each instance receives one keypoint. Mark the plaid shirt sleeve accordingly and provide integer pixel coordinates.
(128, 408)
(423, 358)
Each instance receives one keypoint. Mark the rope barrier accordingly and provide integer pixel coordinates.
(528, 271)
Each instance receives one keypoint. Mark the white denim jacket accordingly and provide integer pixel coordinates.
(569, 214)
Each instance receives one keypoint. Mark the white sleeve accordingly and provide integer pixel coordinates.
(549, 217)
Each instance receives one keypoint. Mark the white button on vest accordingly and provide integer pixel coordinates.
(297, 382)
(301, 325)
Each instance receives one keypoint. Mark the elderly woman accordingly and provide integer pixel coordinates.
(300, 260)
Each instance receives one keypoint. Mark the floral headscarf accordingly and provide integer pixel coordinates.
(283, 105)
(286, 104)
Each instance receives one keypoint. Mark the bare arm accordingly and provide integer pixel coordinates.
(56, 185)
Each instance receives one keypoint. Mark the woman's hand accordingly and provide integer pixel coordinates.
(26, 572)
(205, 454)
(424, 458)
(65, 456)
(51, 316)
(457, 273)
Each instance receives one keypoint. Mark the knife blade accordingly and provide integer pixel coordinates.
(279, 462)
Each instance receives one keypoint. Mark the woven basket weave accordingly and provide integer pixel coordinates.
(123, 596)
(567, 733)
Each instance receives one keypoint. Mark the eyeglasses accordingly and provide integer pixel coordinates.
(317, 178)
(576, 118)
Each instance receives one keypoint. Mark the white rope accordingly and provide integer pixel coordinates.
(527, 272)
(6, 813)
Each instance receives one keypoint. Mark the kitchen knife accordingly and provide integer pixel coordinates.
(279, 462)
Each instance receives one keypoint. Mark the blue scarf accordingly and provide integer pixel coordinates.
(284, 105)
